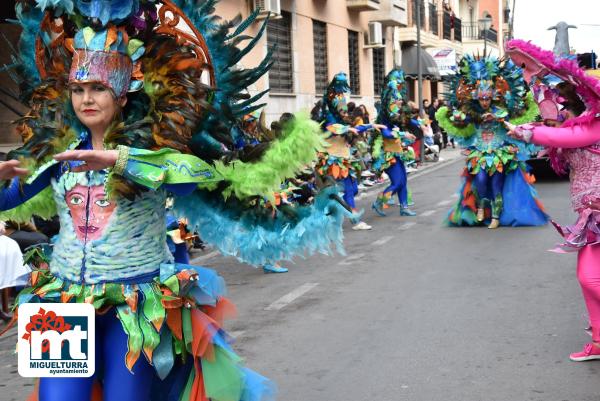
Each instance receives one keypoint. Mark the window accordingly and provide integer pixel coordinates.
(279, 38)
(353, 61)
(378, 69)
(421, 5)
(320, 50)
(433, 19)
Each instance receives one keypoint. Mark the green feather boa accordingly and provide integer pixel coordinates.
(286, 157)
(462, 132)
(42, 205)
(531, 112)
(377, 147)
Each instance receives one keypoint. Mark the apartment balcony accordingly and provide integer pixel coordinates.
(391, 13)
(363, 5)
(472, 32)
(473, 40)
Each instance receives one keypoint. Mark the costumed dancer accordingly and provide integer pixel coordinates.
(390, 147)
(497, 188)
(336, 160)
(120, 119)
(569, 103)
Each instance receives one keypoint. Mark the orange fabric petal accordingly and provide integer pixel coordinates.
(174, 323)
(335, 171)
(198, 393)
(137, 73)
(111, 37)
(34, 396)
(96, 391)
(225, 309)
(202, 332)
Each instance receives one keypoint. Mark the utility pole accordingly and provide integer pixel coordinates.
(417, 4)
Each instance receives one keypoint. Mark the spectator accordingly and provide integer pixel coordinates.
(358, 116)
(365, 113)
(315, 112)
(351, 106)
(445, 139)
(414, 128)
(12, 270)
(430, 110)
(25, 234)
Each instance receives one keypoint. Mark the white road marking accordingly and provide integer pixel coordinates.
(291, 296)
(204, 257)
(351, 258)
(428, 213)
(406, 226)
(444, 202)
(455, 196)
(382, 241)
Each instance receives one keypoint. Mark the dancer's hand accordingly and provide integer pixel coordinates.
(410, 136)
(92, 159)
(513, 132)
(590, 203)
(10, 169)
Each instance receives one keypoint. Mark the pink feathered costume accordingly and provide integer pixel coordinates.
(575, 144)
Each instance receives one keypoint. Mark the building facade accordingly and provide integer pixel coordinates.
(312, 40)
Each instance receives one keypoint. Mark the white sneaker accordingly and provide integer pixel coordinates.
(362, 226)
(368, 183)
(385, 176)
(411, 169)
(366, 173)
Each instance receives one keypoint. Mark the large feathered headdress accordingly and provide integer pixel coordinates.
(537, 62)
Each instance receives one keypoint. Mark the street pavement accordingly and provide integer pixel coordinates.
(413, 311)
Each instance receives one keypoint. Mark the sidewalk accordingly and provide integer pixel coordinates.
(12, 386)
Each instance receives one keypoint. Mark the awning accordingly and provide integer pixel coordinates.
(429, 69)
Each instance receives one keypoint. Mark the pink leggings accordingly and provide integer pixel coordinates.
(588, 274)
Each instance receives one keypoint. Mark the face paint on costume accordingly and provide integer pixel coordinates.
(90, 211)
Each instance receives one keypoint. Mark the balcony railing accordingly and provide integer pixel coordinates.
(471, 31)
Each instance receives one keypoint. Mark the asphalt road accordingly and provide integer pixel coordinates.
(413, 311)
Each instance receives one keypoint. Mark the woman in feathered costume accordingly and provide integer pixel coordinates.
(390, 147)
(569, 103)
(126, 108)
(497, 188)
(336, 160)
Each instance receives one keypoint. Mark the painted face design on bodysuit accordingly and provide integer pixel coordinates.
(487, 136)
(90, 211)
